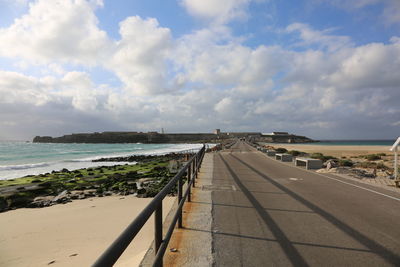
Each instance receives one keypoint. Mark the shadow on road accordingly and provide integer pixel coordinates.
(291, 252)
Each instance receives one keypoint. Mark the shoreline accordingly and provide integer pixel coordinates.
(64, 156)
(144, 179)
(71, 231)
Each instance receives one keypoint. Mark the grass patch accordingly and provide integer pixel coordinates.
(322, 157)
(281, 150)
(372, 157)
(295, 153)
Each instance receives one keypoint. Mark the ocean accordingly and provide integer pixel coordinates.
(355, 142)
(18, 159)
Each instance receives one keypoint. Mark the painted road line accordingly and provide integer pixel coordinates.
(338, 180)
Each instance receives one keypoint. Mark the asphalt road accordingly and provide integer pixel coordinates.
(268, 213)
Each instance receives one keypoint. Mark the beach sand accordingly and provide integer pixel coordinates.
(73, 234)
(336, 151)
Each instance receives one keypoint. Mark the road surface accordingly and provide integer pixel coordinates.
(269, 213)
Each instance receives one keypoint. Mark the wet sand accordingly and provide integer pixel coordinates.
(73, 234)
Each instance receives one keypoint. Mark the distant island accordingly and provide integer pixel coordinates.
(157, 138)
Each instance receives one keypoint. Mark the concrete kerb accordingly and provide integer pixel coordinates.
(192, 245)
(190, 248)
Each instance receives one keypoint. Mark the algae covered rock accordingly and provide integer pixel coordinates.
(3, 204)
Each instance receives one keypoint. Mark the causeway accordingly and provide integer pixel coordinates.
(255, 211)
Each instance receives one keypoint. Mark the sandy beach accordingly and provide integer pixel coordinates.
(336, 151)
(73, 234)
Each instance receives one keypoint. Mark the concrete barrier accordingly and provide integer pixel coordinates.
(309, 163)
(284, 157)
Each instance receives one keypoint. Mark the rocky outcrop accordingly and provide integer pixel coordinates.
(285, 138)
(154, 137)
(127, 137)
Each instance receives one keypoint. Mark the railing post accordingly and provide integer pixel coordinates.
(194, 173)
(189, 174)
(180, 187)
(158, 228)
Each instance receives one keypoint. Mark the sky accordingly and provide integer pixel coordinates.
(326, 69)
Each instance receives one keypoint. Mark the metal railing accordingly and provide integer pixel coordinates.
(114, 251)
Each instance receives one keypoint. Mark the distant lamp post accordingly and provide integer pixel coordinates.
(395, 149)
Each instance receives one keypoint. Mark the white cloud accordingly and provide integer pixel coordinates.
(56, 30)
(203, 80)
(369, 66)
(79, 86)
(140, 58)
(391, 12)
(17, 88)
(391, 8)
(218, 12)
(321, 39)
(74, 89)
(214, 58)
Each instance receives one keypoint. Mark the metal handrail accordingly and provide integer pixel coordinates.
(115, 250)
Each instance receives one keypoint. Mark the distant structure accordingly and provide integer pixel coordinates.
(280, 133)
(155, 137)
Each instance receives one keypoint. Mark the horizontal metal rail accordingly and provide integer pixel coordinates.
(115, 250)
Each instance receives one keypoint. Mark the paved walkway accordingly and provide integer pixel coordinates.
(266, 213)
(192, 245)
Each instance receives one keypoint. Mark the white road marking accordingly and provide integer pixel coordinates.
(338, 180)
(367, 189)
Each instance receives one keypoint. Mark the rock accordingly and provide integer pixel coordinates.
(43, 201)
(46, 184)
(330, 164)
(131, 175)
(3, 204)
(132, 191)
(141, 191)
(116, 176)
(159, 168)
(76, 194)
(62, 197)
(173, 166)
(132, 185)
(89, 192)
(145, 180)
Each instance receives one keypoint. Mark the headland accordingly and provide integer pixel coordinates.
(155, 137)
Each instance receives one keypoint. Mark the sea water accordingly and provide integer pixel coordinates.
(18, 159)
(355, 142)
